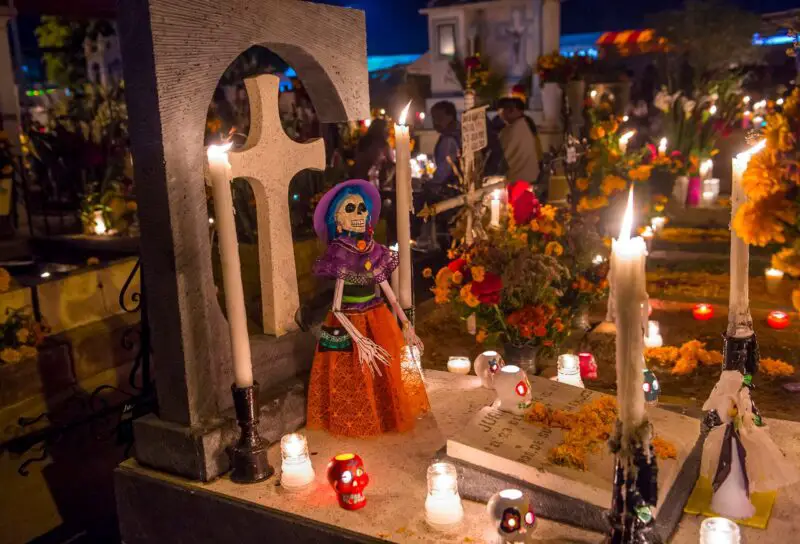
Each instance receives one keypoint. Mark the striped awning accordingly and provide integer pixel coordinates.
(627, 38)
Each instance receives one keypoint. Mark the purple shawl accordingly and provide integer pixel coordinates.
(344, 260)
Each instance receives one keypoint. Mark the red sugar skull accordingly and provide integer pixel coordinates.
(348, 477)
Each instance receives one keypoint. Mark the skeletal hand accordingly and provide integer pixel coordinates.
(371, 354)
(411, 338)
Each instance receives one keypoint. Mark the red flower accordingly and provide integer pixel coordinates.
(457, 265)
(488, 290)
(653, 151)
(540, 331)
(472, 62)
(526, 208)
(517, 188)
(675, 154)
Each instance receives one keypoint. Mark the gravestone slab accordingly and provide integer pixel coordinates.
(499, 450)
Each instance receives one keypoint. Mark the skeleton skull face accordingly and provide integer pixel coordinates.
(513, 390)
(512, 515)
(352, 215)
(487, 365)
(348, 477)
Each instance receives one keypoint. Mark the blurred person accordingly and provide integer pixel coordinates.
(373, 154)
(522, 148)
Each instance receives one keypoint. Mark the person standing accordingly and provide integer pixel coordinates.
(522, 148)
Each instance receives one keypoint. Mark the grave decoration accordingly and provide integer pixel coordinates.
(443, 508)
(403, 210)
(360, 349)
(296, 469)
(348, 478)
(486, 366)
(511, 516)
(513, 390)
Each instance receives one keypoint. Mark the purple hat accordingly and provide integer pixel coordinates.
(367, 190)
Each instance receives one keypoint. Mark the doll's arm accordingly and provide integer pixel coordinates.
(369, 353)
(409, 334)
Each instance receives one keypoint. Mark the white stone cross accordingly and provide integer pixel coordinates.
(517, 31)
(269, 161)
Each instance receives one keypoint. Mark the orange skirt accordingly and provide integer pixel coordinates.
(344, 397)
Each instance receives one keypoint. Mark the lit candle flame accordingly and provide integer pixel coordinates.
(745, 155)
(402, 119)
(627, 219)
(219, 152)
(662, 145)
(625, 138)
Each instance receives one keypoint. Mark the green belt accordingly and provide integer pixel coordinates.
(356, 299)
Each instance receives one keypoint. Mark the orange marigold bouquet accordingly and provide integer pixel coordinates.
(771, 182)
(20, 335)
(524, 281)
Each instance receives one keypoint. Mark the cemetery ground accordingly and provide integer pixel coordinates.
(686, 268)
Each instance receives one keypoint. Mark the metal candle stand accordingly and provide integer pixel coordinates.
(742, 354)
(250, 464)
(635, 492)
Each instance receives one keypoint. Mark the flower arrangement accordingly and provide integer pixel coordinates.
(770, 182)
(554, 68)
(523, 282)
(475, 73)
(20, 335)
(685, 360)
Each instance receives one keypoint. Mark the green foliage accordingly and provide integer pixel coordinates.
(61, 41)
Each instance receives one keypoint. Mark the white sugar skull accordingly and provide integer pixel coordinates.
(487, 364)
(513, 390)
(352, 215)
(512, 516)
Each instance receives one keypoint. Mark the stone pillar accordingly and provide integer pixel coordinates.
(9, 100)
(551, 26)
(174, 52)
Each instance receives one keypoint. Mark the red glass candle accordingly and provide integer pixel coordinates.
(703, 312)
(588, 366)
(778, 320)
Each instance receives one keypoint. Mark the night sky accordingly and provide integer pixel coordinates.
(396, 27)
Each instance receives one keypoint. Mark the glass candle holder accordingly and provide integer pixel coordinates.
(657, 223)
(296, 470)
(588, 365)
(710, 192)
(778, 320)
(486, 365)
(703, 312)
(443, 509)
(569, 370)
(719, 531)
(773, 277)
(653, 338)
(459, 365)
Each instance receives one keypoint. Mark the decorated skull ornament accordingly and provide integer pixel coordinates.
(651, 387)
(511, 515)
(352, 214)
(487, 365)
(348, 477)
(513, 389)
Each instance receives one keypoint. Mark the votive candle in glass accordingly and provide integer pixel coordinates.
(774, 278)
(569, 370)
(657, 223)
(296, 470)
(719, 531)
(778, 320)
(459, 365)
(443, 509)
(703, 312)
(653, 338)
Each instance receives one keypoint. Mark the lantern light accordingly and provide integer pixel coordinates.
(296, 470)
(569, 370)
(459, 365)
(443, 508)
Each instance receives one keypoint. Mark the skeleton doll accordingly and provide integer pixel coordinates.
(357, 384)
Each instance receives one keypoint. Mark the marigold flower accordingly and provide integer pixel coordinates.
(478, 273)
(10, 356)
(763, 177)
(467, 297)
(762, 222)
(458, 277)
(582, 184)
(787, 260)
(641, 172)
(481, 336)
(589, 203)
(28, 352)
(22, 335)
(779, 133)
(554, 248)
(597, 132)
(775, 367)
(612, 184)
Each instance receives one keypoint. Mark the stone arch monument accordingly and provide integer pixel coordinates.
(174, 52)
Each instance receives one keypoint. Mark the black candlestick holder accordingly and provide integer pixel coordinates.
(742, 354)
(635, 490)
(250, 463)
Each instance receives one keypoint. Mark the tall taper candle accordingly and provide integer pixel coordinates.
(403, 204)
(220, 171)
(740, 323)
(628, 275)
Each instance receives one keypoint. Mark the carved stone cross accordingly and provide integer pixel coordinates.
(269, 161)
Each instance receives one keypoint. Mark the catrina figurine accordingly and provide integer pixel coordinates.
(739, 456)
(358, 386)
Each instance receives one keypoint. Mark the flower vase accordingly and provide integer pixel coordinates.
(552, 94)
(580, 320)
(694, 192)
(522, 356)
(680, 190)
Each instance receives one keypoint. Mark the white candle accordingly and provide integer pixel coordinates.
(662, 146)
(653, 338)
(569, 370)
(99, 223)
(443, 508)
(459, 365)
(630, 292)
(710, 191)
(774, 277)
(220, 171)
(719, 531)
(495, 215)
(740, 323)
(706, 168)
(403, 204)
(296, 469)
(625, 139)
